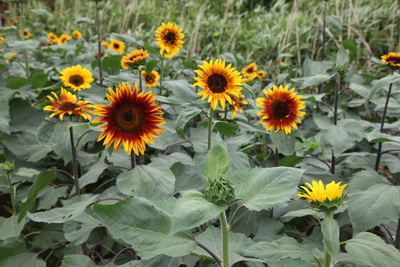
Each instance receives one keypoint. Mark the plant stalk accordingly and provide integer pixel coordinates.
(397, 238)
(210, 122)
(74, 161)
(327, 256)
(133, 160)
(99, 57)
(335, 111)
(225, 239)
(161, 74)
(140, 82)
(11, 189)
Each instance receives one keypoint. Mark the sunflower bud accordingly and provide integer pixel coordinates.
(220, 191)
(7, 167)
(341, 69)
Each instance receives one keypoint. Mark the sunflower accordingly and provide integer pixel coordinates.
(26, 33)
(169, 38)
(237, 105)
(52, 37)
(218, 81)
(76, 77)
(250, 69)
(134, 59)
(261, 74)
(321, 197)
(131, 118)
(392, 59)
(14, 22)
(11, 57)
(105, 44)
(67, 104)
(249, 78)
(1, 40)
(76, 34)
(117, 46)
(281, 109)
(152, 79)
(63, 39)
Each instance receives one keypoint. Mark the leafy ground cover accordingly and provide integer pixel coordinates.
(219, 133)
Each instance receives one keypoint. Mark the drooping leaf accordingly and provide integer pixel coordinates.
(285, 143)
(218, 161)
(384, 82)
(330, 231)
(184, 117)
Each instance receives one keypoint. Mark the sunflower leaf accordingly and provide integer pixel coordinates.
(384, 82)
(183, 118)
(285, 143)
(330, 231)
(218, 160)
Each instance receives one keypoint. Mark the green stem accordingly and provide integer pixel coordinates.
(210, 122)
(335, 111)
(99, 58)
(11, 189)
(161, 74)
(140, 81)
(25, 53)
(133, 160)
(327, 256)
(225, 239)
(74, 161)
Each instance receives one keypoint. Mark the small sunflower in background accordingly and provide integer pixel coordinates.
(236, 106)
(249, 78)
(131, 119)
(26, 34)
(323, 198)
(105, 44)
(117, 46)
(76, 77)
(76, 34)
(281, 109)
(134, 59)
(152, 79)
(391, 59)
(52, 37)
(63, 39)
(250, 70)
(14, 22)
(1, 40)
(11, 57)
(169, 38)
(261, 74)
(68, 104)
(219, 82)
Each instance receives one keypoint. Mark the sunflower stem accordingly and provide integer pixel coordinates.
(161, 73)
(327, 256)
(133, 161)
(210, 122)
(225, 239)
(74, 161)
(99, 57)
(397, 238)
(11, 189)
(335, 111)
(21, 33)
(276, 157)
(379, 152)
(140, 82)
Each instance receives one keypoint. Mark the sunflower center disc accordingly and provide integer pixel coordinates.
(217, 83)
(280, 109)
(393, 60)
(68, 106)
(128, 118)
(170, 38)
(116, 46)
(76, 80)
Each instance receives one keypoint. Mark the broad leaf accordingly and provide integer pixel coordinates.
(10, 227)
(218, 160)
(25, 45)
(260, 189)
(342, 57)
(330, 230)
(384, 82)
(183, 118)
(78, 230)
(146, 227)
(285, 143)
(77, 260)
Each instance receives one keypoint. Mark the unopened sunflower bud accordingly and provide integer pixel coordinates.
(341, 69)
(220, 191)
(7, 167)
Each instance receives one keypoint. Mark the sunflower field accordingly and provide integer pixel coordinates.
(200, 133)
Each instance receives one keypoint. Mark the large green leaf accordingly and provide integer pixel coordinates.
(372, 200)
(78, 230)
(147, 181)
(259, 189)
(330, 230)
(384, 82)
(285, 143)
(4, 110)
(25, 45)
(192, 210)
(342, 57)
(72, 208)
(218, 161)
(373, 251)
(183, 118)
(279, 249)
(146, 227)
(10, 227)
(77, 260)
(23, 260)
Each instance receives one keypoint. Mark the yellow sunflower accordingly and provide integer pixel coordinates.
(130, 119)
(1, 40)
(67, 104)
(261, 74)
(52, 37)
(152, 79)
(218, 81)
(250, 69)
(76, 77)
(281, 109)
(237, 105)
(249, 78)
(76, 34)
(11, 57)
(117, 46)
(392, 59)
(324, 198)
(63, 39)
(169, 38)
(134, 59)
(26, 33)
(105, 44)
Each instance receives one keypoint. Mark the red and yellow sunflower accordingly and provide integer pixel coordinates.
(152, 79)
(236, 106)
(250, 70)
(392, 59)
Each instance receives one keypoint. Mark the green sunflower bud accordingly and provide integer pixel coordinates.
(7, 167)
(220, 191)
(341, 69)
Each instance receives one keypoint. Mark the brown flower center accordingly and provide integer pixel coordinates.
(68, 106)
(169, 38)
(250, 70)
(149, 78)
(128, 118)
(76, 80)
(116, 46)
(280, 109)
(393, 60)
(217, 83)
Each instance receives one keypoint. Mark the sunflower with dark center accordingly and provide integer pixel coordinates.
(132, 119)
(392, 59)
(281, 109)
(134, 59)
(152, 79)
(236, 106)
(68, 104)
(26, 33)
(52, 37)
(169, 38)
(219, 82)
(76, 34)
(261, 74)
(249, 78)
(250, 69)
(76, 77)
(63, 39)
(117, 46)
